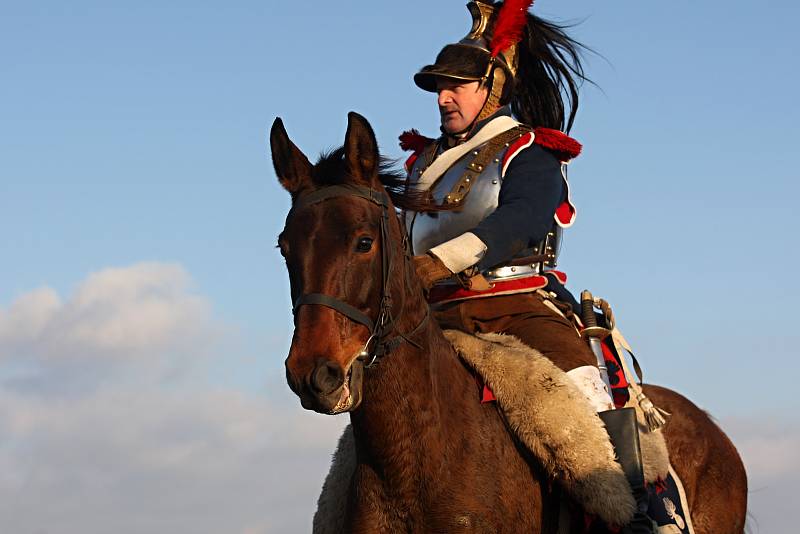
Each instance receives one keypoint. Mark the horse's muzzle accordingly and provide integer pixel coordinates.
(328, 388)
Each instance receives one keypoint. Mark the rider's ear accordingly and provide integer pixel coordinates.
(361, 149)
(291, 165)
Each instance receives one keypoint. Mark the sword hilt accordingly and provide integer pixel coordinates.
(587, 309)
(591, 328)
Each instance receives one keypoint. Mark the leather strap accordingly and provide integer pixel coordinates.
(483, 156)
(338, 305)
(378, 197)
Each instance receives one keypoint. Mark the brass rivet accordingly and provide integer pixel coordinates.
(496, 160)
(467, 180)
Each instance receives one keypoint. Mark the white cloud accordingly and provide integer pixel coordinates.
(142, 319)
(157, 461)
(770, 449)
(28, 315)
(117, 312)
(136, 452)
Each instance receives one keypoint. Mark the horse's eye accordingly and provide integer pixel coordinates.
(364, 244)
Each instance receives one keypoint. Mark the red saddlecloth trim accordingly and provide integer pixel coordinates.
(487, 395)
(619, 389)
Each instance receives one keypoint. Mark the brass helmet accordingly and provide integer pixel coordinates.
(487, 54)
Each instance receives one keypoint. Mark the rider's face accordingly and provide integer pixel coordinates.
(459, 103)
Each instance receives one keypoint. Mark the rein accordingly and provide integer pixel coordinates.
(384, 323)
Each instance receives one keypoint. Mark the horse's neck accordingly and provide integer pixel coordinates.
(401, 427)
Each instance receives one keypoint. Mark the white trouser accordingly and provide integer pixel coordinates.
(588, 380)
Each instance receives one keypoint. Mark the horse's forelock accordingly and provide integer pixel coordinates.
(331, 169)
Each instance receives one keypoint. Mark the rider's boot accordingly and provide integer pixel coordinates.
(623, 430)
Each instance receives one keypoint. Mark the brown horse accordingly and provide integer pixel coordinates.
(430, 457)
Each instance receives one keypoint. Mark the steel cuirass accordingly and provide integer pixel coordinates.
(429, 229)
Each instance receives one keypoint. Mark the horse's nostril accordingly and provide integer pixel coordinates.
(326, 377)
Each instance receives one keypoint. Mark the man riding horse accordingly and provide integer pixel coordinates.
(492, 200)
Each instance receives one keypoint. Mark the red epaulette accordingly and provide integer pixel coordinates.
(415, 141)
(564, 146)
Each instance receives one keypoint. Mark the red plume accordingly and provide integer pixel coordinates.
(413, 140)
(511, 21)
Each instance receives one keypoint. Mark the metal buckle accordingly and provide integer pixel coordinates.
(364, 354)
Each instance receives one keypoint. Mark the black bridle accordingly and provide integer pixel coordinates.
(383, 324)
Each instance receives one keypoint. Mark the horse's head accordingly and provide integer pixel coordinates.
(340, 242)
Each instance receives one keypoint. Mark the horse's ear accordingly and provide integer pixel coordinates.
(291, 165)
(361, 149)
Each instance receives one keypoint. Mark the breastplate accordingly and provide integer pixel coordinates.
(428, 229)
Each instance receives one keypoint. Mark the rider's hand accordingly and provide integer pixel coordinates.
(430, 270)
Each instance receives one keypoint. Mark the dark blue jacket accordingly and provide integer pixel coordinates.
(532, 189)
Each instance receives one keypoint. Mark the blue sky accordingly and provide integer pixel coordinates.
(135, 181)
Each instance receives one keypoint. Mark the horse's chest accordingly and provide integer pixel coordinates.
(457, 509)
(380, 509)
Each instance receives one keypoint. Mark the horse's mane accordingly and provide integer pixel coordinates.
(331, 169)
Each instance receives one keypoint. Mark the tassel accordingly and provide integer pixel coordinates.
(654, 416)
